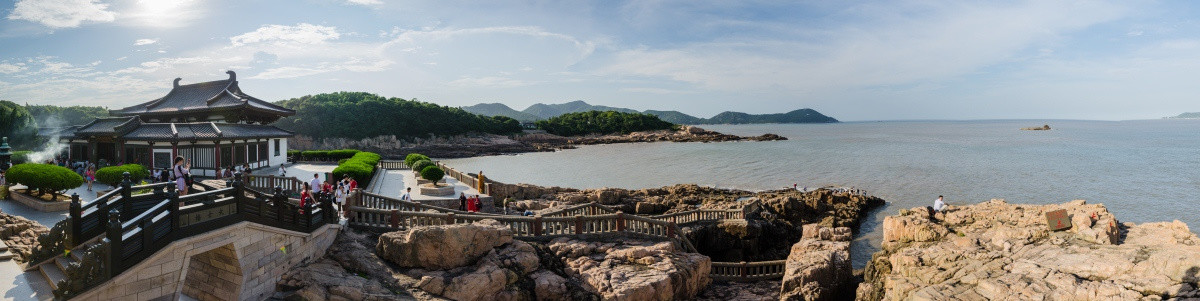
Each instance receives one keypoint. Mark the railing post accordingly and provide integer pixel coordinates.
(450, 218)
(395, 219)
(620, 221)
(76, 222)
(742, 266)
(239, 195)
(126, 193)
(671, 229)
(147, 233)
(537, 226)
(113, 234)
(173, 209)
(578, 225)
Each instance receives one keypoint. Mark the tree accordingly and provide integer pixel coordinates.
(17, 125)
(607, 122)
(433, 174)
(412, 159)
(421, 165)
(113, 175)
(345, 115)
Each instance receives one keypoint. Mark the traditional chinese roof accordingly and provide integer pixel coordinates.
(203, 131)
(198, 99)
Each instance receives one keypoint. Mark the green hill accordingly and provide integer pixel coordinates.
(541, 111)
(358, 115)
(1189, 115)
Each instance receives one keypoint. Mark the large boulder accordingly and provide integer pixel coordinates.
(817, 270)
(1007, 252)
(634, 270)
(443, 247)
(326, 280)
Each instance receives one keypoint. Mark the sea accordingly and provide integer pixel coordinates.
(1142, 170)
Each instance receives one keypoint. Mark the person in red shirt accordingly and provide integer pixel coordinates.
(327, 187)
(353, 183)
(305, 196)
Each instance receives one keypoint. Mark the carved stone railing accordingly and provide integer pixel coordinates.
(748, 271)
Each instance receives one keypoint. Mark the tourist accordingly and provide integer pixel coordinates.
(353, 182)
(462, 202)
(471, 201)
(528, 212)
(229, 172)
(506, 201)
(939, 205)
(340, 195)
(90, 175)
(180, 174)
(246, 169)
(327, 187)
(407, 196)
(315, 183)
(305, 195)
(282, 171)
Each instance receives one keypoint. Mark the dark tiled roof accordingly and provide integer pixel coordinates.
(204, 131)
(214, 95)
(103, 126)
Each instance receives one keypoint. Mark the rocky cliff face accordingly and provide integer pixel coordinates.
(818, 267)
(20, 234)
(634, 270)
(1000, 251)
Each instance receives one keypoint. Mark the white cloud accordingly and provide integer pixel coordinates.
(7, 68)
(365, 2)
(489, 82)
(302, 33)
(143, 42)
(61, 13)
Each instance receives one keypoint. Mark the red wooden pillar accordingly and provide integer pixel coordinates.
(120, 152)
(217, 156)
(174, 151)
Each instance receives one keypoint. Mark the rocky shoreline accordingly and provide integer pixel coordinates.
(489, 145)
(1000, 251)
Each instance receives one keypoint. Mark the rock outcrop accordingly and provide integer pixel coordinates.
(683, 134)
(20, 234)
(819, 266)
(327, 280)
(1000, 251)
(443, 247)
(628, 269)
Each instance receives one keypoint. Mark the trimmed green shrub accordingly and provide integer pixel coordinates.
(19, 157)
(44, 177)
(357, 170)
(293, 153)
(342, 154)
(413, 158)
(433, 174)
(368, 158)
(112, 175)
(421, 165)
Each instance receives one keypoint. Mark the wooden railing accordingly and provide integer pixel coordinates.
(748, 271)
(391, 164)
(377, 201)
(592, 208)
(171, 217)
(270, 182)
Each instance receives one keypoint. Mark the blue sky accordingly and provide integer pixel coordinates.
(853, 60)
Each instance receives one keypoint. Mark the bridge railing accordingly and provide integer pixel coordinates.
(177, 217)
(592, 208)
(393, 164)
(748, 271)
(378, 201)
(270, 182)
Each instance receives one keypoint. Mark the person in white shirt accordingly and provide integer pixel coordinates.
(406, 196)
(939, 205)
(316, 182)
(340, 195)
(282, 170)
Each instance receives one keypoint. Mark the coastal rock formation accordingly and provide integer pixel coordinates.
(995, 250)
(683, 134)
(1037, 128)
(629, 269)
(327, 280)
(20, 234)
(490, 278)
(817, 270)
(443, 247)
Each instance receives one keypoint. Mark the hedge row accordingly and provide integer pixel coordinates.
(19, 157)
(44, 177)
(113, 175)
(322, 155)
(360, 167)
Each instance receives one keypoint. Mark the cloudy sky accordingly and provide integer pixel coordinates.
(853, 60)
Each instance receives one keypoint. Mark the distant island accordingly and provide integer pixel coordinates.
(542, 111)
(1189, 115)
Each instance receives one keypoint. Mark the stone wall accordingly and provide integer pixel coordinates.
(262, 254)
(214, 275)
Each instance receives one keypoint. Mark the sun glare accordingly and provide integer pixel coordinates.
(166, 13)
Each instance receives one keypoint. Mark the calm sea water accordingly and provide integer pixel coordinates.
(1143, 171)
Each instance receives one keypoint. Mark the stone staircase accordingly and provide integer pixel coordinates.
(4, 253)
(54, 270)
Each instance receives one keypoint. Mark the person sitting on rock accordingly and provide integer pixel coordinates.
(938, 204)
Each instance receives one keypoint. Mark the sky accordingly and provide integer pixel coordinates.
(852, 60)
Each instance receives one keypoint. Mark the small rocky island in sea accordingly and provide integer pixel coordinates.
(1037, 128)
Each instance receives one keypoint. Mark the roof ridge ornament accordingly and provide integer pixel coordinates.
(177, 79)
(232, 75)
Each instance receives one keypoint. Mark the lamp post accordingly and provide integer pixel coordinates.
(5, 155)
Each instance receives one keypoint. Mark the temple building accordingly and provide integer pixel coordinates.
(213, 123)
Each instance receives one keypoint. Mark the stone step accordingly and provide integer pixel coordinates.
(6, 255)
(3, 246)
(53, 275)
(63, 262)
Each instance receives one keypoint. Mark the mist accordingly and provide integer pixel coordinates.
(54, 146)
